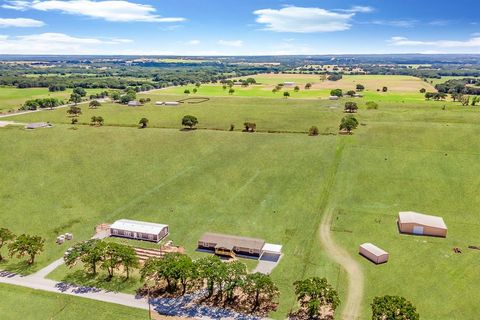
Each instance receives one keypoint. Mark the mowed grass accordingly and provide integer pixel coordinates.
(260, 185)
(28, 304)
(426, 168)
(13, 98)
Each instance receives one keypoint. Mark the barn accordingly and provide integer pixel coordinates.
(421, 224)
(373, 253)
(138, 230)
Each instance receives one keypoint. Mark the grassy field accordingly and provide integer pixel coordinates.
(405, 156)
(28, 304)
(435, 81)
(13, 98)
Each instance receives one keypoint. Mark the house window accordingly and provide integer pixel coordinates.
(150, 236)
(115, 231)
(128, 233)
(251, 251)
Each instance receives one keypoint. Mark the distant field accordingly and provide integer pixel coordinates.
(13, 98)
(435, 81)
(27, 304)
(399, 87)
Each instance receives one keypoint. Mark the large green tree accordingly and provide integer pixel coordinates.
(189, 121)
(260, 287)
(6, 236)
(314, 293)
(348, 123)
(26, 245)
(393, 308)
(90, 253)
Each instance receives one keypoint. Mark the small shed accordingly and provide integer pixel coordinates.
(134, 104)
(358, 95)
(139, 230)
(172, 103)
(38, 125)
(373, 253)
(289, 84)
(271, 252)
(159, 103)
(421, 224)
(333, 98)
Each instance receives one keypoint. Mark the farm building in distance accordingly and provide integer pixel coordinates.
(289, 84)
(227, 245)
(334, 98)
(421, 224)
(134, 104)
(38, 125)
(373, 253)
(172, 103)
(138, 230)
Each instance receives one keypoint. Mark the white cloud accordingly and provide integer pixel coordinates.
(303, 20)
(55, 43)
(20, 22)
(469, 43)
(231, 43)
(357, 9)
(194, 42)
(396, 23)
(122, 11)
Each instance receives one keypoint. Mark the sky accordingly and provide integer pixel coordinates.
(247, 27)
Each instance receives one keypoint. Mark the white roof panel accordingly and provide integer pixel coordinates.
(373, 249)
(138, 226)
(273, 248)
(423, 219)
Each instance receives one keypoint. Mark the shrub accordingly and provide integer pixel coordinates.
(250, 126)
(313, 131)
(372, 105)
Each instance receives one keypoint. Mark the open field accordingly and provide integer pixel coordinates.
(407, 155)
(13, 98)
(28, 304)
(445, 78)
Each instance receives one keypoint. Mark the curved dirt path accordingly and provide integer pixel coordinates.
(353, 305)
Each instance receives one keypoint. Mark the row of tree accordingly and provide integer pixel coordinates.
(20, 246)
(41, 103)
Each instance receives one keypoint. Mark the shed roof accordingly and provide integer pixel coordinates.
(224, 239)
(373, 249)
(138, 226)
(36, 125)
(423, 219)
(272, 248)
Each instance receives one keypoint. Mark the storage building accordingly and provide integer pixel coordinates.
(373, 253)
(139, 230)
(421, 224)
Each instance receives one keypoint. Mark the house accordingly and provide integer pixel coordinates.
(38, 125)
(373, 253)
(333, 98)
(288, 84)
(134, 104)
(230, 246)
(421, 224)
(172, 103)
(138, 230)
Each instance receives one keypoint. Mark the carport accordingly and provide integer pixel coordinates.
(271, 252)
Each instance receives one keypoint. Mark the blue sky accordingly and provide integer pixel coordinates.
(260, 27)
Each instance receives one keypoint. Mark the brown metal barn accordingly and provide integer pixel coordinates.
(421, 224)
(373, 253)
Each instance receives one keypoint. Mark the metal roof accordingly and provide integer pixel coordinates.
(422, 219)
(224, 239)
(138, 226)
(272, 248)
(373, 249)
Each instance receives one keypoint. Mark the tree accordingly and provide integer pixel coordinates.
(348, 123)
(475, 100)
(260, 287)
(26, 245)
(128, 257)
(80, 91)
(94, 104)
(74, 111)
(235, 278)
(189, 121)
(195, 90)
(112, 258)
(224, 87)
(423, 90)
(250, 126)
(115, 95)
(308, 86)
(296, 89)
(74, 121)
(286, 94)
(97, 121)
(75, 98)
(6, 236)
(393, 307)
(198, 84)
(89, 252)
(360, 87)
(465, 100)
(315, 293)
(336, 92)
(231, 91)
(384, 89)
(351, 107)
(186, 91)
(351, 93)
(143, 123)
(212, 270)
(313, 131)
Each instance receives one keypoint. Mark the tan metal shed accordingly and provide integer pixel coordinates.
(421, 224)
(373, 253)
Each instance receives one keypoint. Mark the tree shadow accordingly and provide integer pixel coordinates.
(116, 284)
(21, 267)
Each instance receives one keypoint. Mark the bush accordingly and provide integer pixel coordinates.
(313, 131)
(360, 87)
(372, 105)
(250, 126)
(189, 121)
(336, 92)
(232, 127)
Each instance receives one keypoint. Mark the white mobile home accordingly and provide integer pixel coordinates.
(138, 230)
